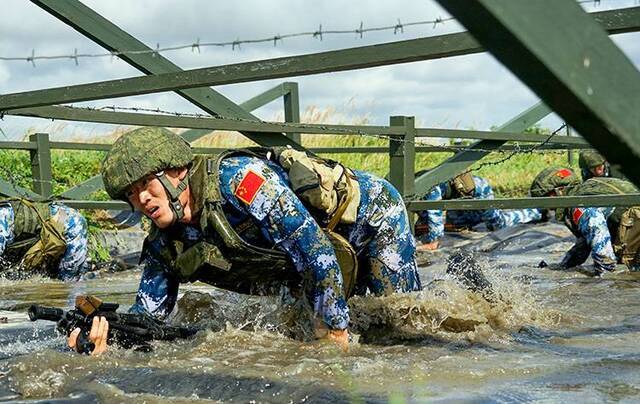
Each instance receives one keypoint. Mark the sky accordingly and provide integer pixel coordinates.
(464, 92)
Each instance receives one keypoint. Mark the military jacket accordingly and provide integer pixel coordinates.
(493, 218)
(259, 205)
(594, 227)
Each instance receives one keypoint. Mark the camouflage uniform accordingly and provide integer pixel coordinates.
(493, 218)
(595, 228)
(73, 262)
(275, 217)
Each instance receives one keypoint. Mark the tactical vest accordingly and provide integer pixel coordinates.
(222, 258)
(623, 223)
(38, 240)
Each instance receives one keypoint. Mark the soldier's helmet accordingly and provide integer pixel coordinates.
(139, 153)
(553, 179)
(590, 159)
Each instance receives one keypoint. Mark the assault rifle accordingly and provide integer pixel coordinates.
(127, 329)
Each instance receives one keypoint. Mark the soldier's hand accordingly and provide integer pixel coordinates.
(340, 337)
(98, 335)
(428, 246)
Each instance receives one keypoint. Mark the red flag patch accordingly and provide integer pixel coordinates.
(249, 187)
(564, 173)
(577, 214)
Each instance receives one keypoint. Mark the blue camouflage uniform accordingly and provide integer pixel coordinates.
(493, 218)
(593, 237)
(73, 261)
(381, 237)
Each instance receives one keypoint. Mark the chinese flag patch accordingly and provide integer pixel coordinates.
(564, 173)
(249, 187)
(577, 214)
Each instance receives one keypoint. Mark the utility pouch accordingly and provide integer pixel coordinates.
(48, 249)
(189, 262)
(627, 242)
(325, 185)
(347, 260)
(464, 185)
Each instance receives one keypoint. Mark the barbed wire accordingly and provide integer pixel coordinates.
(15, 178)
(300, 127)
(518, 151)
(197, 45)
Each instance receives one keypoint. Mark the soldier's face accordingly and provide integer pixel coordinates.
(149, 197)
(598, 171)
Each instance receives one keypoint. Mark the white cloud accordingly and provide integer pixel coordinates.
(468, 91)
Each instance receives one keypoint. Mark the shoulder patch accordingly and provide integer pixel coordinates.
(564, 173)
(577, 214)
(249, 187)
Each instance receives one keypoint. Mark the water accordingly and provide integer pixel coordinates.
(551, 336)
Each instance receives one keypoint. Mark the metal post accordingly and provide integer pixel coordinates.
(571, 154)
(292, 109)
(402, 155)
(41, 165)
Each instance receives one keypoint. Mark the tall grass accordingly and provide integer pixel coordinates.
(511, 178)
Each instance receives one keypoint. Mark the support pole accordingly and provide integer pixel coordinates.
(402, 155)
(41, 165)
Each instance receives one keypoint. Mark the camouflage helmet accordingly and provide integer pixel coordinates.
(553, 179)
(590, 159)
(139, 153)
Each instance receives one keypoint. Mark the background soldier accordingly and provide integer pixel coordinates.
(431, 224)
(45, 238)
(611, 235)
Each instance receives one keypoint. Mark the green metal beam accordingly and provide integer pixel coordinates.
(127, 118)
(14, 191)
(264, 98)
(500, 135)
(112, 205)
(566, 58)
(83, 190)
(464, 160)
(292, 108)
(192, 135)
(342, 60)
(213, 123)
(520, 203)
(108, 35)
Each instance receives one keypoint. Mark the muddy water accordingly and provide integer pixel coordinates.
(550, 336)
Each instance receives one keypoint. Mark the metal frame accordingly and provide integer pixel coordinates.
(530, 60)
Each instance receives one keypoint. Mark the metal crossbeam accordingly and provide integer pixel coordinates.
(139, 119)
(342, 60)
(85, 188)
(464, 160)
(566, 58)
(111, 37)
(14, 191)
(520, 203)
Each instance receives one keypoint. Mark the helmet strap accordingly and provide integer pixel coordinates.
(174, 194)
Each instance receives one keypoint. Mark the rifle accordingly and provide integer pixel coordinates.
(127, 329)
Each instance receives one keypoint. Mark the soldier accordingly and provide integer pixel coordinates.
(592, 164)
(45, 238)
(431, 224)
(237, 220)
(611, 235)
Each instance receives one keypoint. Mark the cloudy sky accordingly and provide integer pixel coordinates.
(463, 92)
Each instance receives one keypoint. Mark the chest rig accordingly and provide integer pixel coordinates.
(222, 258)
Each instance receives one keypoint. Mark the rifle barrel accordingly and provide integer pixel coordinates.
(37, 312)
